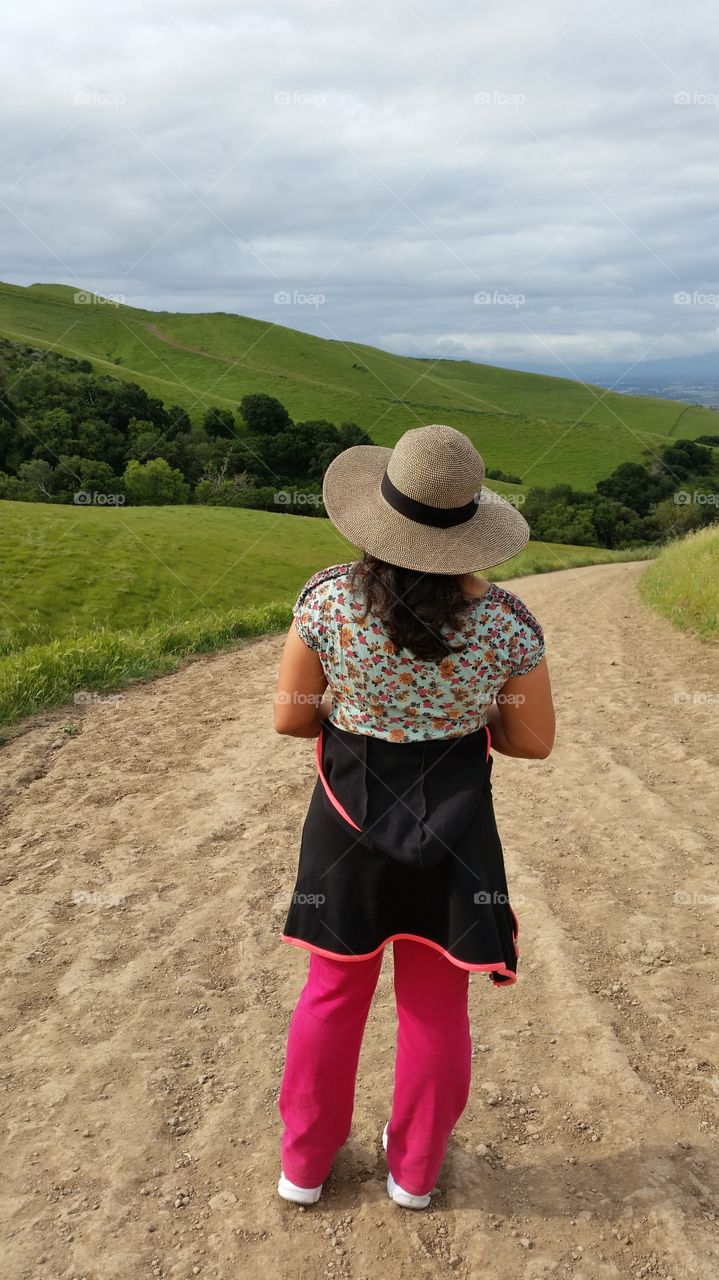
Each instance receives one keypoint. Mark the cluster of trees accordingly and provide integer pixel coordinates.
(674, 492)
(494, 473)
(65, 430)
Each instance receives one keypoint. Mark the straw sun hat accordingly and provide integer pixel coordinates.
(423, 504)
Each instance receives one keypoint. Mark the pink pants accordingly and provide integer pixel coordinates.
(432, 1065)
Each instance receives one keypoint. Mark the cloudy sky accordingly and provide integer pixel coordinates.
(522, 184)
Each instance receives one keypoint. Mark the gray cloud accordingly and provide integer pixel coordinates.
(397, 162)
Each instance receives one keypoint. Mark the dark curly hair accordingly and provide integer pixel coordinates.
(413, 606)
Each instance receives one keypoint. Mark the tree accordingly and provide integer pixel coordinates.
(350, 434)
(178, 421)
(38, 474)
(495, 473)
(631, 485)
(263, 415)
(154, 483)
(614, 524)
(14, 489)
(219, 423)
(302, 452)
(686, 458)
(97, 439)
(75, 474)
(47, 435)
(673, 519)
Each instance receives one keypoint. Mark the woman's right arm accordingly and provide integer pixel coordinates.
(521, 719)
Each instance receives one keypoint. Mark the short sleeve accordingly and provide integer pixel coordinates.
(314, 608)
(527, 642)
(305, 614)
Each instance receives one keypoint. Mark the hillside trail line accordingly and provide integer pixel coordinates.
(147, 867)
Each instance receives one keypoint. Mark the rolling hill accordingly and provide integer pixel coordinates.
(67, 570)
(95, 597)
(544, 429)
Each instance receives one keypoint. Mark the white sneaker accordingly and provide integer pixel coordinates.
(397, 1193)
(300, 1195)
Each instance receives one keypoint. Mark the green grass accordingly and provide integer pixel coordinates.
(95, 597)
(544, 429)
(683, 583)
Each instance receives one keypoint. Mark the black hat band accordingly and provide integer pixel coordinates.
(422, 512)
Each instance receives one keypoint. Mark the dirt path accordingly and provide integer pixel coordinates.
(148, 864)
(183, 346)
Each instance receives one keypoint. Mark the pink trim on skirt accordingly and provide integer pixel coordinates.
(497, 967)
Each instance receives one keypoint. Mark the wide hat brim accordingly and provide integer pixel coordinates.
(357, 508)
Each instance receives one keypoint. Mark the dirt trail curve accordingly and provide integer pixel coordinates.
(147, 867)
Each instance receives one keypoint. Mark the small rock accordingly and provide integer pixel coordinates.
(222, 1198)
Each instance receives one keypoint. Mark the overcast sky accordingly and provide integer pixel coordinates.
(510, 182)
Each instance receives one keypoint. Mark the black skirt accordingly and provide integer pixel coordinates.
(400, 841)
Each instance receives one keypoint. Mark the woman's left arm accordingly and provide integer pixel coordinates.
(301, 681)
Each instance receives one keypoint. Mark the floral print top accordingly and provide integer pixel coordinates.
(386, 692)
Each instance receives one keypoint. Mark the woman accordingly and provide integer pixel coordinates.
(426, 664)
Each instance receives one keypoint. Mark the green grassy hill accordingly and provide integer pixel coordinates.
(683, 584)
(66, 570)
(96, 597)
(543, 429)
